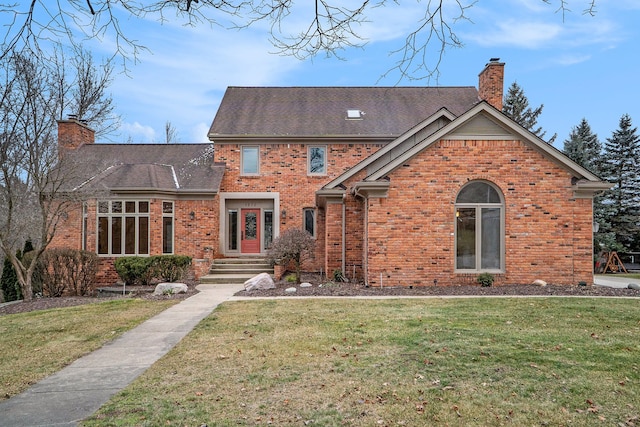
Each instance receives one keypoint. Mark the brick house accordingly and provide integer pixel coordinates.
(404, 186)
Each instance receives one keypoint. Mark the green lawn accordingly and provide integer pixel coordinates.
(458, 362)
(36, 344)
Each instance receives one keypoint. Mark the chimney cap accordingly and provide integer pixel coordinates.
(494, 59)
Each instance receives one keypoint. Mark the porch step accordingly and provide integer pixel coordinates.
(235, 270)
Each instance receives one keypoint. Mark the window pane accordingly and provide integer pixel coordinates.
(250, 226)
(309, 221)
(103, 235)
(268, 228)
(143, 207)
(116, 207)
(490, 258)
(317, 160)
(233, 230)
(116, 235)
(478, 192)
(466, 238)
(130, 207)
(250, 160)
(167, 235)
(129, 235)
(143, 235)
(167, 207)
(103, 207)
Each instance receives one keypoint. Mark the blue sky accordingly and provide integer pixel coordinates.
(579, 66)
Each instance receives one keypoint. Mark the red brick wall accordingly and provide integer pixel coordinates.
(283, 169)
(197, 238)
(411, 233)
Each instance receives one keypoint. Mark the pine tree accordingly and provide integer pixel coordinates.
(621, 167)
(9, 282)
(516, 106)
(583, 147)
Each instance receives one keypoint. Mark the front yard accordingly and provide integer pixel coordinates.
(462, 362)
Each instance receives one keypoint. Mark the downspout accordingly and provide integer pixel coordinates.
(344, 235)
(365, 246)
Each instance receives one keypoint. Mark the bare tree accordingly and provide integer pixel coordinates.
(34, 177)
(170, 133)
(328, 26)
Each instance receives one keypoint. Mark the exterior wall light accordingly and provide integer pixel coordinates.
(192, 215)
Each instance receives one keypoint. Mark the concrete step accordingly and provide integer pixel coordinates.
(235, 270)
(218, 279)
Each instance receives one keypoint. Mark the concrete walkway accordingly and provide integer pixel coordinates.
(77, 391)
(613, 281)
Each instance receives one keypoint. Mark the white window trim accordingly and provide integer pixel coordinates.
(326, 151)
(479, 207)
(171, 215)
(110, 215)
(242, 172)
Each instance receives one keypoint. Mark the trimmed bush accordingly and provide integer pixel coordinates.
(142, 270)
(134, 270)
(170, 268)
(291, 247)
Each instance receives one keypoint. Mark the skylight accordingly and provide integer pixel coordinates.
(354, 115)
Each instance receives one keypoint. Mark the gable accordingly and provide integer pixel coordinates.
(481, 127)
(481, 122)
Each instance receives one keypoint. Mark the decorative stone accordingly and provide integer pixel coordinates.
(305, 285)
(539, 282)
(261, 281)
(170, 288)
(291, 290)
(634, 286)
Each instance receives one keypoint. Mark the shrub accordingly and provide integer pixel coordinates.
(291, 246)
(170, 268)
(142, 270)
(63, 270)
(134, 270)
(338, 276)
(485, 279)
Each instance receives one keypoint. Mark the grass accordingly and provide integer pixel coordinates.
(458, 362)
(36, 344)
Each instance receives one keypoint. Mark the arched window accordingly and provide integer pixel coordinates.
(479, 228)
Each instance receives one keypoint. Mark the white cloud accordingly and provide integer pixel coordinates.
(528, 35)
(137, 132)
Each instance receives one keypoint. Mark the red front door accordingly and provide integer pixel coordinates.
(250, 231)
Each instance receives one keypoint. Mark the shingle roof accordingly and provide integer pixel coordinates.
(179, 168)
(322, 111)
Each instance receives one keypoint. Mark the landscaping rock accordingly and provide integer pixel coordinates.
(259, 282)
(305, 285)
(634, 286)
(291, 290)
(539, 282)
(170, 288)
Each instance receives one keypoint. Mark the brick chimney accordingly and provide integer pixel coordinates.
(491, 83)
(72, 133)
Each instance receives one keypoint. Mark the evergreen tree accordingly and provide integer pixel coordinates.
(583, 147)
(516, 106)
(621, 204)
(9, 282)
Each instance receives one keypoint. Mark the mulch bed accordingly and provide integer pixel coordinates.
(339, 289)
(353, 290)
(144, 292)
